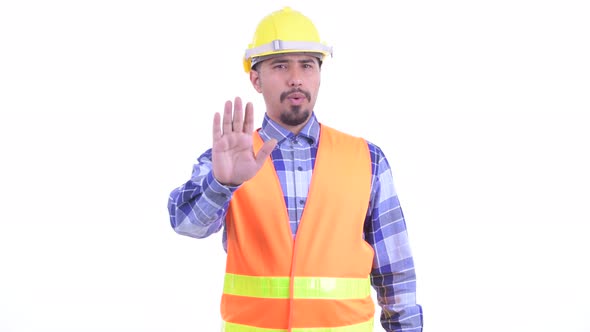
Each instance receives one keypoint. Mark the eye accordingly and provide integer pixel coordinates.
(308, 66)
(280, 66)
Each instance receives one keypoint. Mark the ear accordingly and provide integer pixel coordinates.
(255, 80)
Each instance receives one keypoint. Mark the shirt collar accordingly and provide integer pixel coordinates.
(271, 129)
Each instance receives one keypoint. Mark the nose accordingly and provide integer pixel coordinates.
(295, 79)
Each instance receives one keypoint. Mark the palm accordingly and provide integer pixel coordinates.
(234, 161)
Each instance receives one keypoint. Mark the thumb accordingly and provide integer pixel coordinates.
(265, 151)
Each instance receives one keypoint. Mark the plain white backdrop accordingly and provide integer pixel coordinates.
(481, 107)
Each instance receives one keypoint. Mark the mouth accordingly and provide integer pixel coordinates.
(296, 98)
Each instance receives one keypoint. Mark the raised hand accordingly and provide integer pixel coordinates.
(234, 161)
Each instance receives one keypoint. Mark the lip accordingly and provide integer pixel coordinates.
(296, 98)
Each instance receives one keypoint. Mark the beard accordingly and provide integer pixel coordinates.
(295, 116)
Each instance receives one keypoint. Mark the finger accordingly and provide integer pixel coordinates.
(238, 121)
(249, 119)
(227, 117)
(265, 151)
(216, 126)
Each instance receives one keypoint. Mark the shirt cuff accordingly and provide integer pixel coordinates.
(216, 191)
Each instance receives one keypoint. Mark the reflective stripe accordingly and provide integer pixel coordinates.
(303, 287)
(282, 45)
(362, 327)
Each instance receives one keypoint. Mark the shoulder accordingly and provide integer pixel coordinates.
(377, 154)
(376, 150)
(327, 131)
(378, 158)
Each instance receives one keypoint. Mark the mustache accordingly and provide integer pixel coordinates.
(287, 93)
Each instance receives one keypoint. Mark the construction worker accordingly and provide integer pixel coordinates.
(310, 216)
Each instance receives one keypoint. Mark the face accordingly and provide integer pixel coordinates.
(289, 84)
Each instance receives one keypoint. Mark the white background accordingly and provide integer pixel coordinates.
(481, 107)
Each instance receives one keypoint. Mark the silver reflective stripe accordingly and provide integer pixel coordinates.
(282, 45)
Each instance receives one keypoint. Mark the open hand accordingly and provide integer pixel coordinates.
(234, 161)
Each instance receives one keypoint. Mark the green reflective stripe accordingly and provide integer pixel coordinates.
(276, 288)
(331, 288)
(231, 327)
(303, 287)
(362, 327)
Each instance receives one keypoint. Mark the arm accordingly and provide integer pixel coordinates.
(393, 275)
(198, 207)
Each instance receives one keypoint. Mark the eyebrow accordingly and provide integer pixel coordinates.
(282, 60)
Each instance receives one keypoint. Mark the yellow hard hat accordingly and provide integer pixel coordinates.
(285, 31)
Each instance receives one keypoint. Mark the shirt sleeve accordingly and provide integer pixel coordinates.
(198, 207)
(393, 276)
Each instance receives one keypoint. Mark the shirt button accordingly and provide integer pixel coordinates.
(299, 168)
(301, 201)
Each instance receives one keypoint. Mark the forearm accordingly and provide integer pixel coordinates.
(393, 275)
(198, 207)
(396, 295)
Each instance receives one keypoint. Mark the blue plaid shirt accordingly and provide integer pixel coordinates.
(198, 209)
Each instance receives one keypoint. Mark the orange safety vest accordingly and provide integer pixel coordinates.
(319, 281)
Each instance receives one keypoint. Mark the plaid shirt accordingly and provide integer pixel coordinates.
(198, 209)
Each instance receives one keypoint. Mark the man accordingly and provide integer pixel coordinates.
(309, 214)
